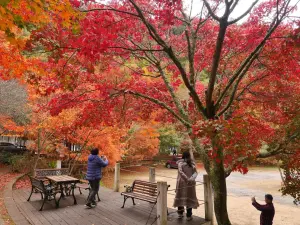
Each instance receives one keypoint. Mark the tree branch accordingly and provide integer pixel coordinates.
(137, 49)
(214, 69)
(244, 14)
(108, 9)
(153, 33)
(191, 54)
(213, 15)
(160, 103)
(248, 60)
(173, 95)
(237, 84)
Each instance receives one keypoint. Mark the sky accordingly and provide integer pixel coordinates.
(242, 6)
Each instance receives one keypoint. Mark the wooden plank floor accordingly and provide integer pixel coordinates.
(107, 212)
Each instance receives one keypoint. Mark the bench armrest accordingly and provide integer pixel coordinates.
(128, 188)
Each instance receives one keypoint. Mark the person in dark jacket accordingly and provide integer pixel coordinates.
(94, 175)
(267, 211)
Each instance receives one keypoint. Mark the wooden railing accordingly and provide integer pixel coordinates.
(162, 188)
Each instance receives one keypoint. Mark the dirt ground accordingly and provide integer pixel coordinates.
(241, 188)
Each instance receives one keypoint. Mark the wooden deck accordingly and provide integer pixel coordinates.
(107, 212)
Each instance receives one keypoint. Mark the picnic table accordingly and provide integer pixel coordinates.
(63, 181)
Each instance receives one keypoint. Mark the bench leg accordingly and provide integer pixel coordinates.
(133, 201)
(75, 202)
(79, 190)
(57, 203)
(42, 197)
(125, 198)
(45, 199)
(30, 194)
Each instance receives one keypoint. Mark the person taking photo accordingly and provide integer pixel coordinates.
(94, 175)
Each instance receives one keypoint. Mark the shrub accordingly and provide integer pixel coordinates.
(5, 157)
(21, 163)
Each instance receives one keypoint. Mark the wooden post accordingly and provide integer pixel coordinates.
(208, 199)
(152, 174)
(58, 164)
(117, 178)
(162, 208)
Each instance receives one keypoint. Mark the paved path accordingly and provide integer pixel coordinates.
(108, 211)
(3, 170)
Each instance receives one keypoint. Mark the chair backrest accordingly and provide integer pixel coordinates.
(145, 188)
(42, 173)
(37, 183)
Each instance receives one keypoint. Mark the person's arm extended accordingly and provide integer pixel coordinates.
(261, 207)
(101, 162)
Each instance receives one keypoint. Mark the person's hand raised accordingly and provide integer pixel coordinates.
(253, 199)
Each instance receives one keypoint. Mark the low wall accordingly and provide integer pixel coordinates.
(10, 204)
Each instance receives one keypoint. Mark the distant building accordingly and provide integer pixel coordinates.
(13, 139)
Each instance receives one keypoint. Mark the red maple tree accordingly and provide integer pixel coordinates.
(230, 85)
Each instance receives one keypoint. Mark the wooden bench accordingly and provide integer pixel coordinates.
(141, 190)
(47, 192)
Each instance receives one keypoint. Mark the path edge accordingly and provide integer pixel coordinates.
(15, 214)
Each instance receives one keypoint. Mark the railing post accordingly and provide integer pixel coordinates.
(152, 174)
(58, 164)
(117, 178)
(208, 199)
(162, 208)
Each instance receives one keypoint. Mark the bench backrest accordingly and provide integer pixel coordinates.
(36, 183)
(145, 188)
(42, 173)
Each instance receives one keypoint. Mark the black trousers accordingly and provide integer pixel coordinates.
(188, 211)
(94, 184)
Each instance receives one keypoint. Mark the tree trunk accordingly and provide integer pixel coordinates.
(218, 179)
(38, 150)
(216, 172)
(220, 194)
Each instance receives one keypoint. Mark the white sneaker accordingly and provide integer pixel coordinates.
(180, 216)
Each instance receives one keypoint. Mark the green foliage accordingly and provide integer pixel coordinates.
(5, 157)
(21, 163)
(52, 164)
(4, 2)
(168, 137)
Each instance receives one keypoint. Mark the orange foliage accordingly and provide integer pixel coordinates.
(8, 126)
(106, 139)
(143, 143)
(17, 14)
